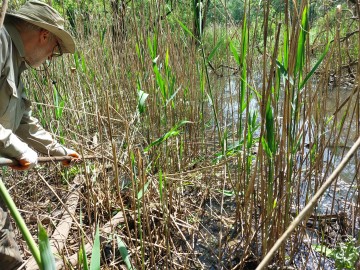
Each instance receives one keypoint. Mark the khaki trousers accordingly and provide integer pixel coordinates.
(10, 257)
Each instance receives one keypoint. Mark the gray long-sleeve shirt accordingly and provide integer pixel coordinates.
(18, 129)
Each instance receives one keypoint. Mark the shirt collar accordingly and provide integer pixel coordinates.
(17, 41)
(16, 38)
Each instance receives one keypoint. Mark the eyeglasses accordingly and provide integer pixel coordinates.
(57, 52)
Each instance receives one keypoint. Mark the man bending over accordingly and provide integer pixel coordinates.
(30, 37)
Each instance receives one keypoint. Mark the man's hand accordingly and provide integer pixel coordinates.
(73, 154)
(27, 160)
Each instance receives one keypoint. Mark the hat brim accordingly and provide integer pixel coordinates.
(67, 42)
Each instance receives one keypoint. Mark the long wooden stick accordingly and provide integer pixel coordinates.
(309, 207)
(9, 161)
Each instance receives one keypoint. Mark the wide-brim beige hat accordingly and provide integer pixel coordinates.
(44, 16)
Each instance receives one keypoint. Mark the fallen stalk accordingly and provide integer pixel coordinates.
(107, 229)
(309, 207)
(61, 232)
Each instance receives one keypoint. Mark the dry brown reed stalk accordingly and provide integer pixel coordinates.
(3, 9)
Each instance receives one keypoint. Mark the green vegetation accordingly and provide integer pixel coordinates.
(215, 122)
(345, 255)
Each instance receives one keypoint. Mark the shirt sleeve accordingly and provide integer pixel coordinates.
(10, 144)
(32, 133)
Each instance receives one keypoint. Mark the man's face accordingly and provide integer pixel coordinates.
(44, 48)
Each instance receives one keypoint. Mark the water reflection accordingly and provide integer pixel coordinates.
(329, 101)
(338, 132)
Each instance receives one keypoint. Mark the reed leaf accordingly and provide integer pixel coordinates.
(266, 147)
(143, 190)
(183, 26)
(174, 131)
(234, 52)
(142, 96)
(47, 257)
(124, 254)
(172, 97)
(214, 50)
(231, 150)
(284, 72)
(139, 53)
(102, 36)
(83, 260)
(170, 79)
(76, 60)
(308, 76)
(95, 254)
(228, 193)
(161, 83)
(58, 103)
(244, 48)
(300, 55)
(82, 257)
(153, 45)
